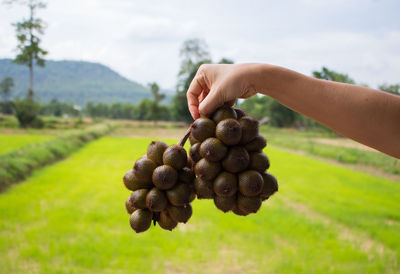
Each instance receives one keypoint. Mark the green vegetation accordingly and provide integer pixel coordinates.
(308, 141)
(17, 165)
(70, 217)
(14, 142)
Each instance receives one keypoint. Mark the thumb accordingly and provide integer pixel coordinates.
(212, 101)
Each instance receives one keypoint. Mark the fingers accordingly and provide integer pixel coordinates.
(196, 89)
(212, 101)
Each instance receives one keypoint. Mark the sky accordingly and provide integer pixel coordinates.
(141, 39)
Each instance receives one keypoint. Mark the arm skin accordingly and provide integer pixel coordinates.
(365, 115)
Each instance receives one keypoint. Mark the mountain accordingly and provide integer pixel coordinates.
(75, 82)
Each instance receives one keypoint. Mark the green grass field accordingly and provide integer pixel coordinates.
(70, 217)
(13, 142)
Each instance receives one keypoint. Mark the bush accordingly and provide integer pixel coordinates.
(26, 111)
(19, 164)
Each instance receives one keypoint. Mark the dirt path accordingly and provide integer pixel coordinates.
(343, 143)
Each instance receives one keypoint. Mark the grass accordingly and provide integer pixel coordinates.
(70, 217)
(307, 141)
(17, 141)
(18, 164)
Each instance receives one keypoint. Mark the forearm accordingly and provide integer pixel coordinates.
(368, 116)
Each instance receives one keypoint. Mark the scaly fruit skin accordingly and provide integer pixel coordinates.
(225, 203)
(204, 189)
(229, 132)
(192, 140)
(257, 144)
(194, 152)
(138, 198)
(203, 128)
(213, 149)
(225, 185)
(224, 112)
(236, 160)
(249, 127)
(143, 169)
(270, 185)
(248, 204)
(237, 211)
(250, 183)
(156, 200)
(175, 156)
(155, 152)
(140, 220)
(180, 214)
(165, 177)
(259, 162)
(166, 222)
(179, 195)
(207, 170)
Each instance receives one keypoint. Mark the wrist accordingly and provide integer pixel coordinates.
(258, 78)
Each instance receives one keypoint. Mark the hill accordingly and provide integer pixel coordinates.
(74, 81)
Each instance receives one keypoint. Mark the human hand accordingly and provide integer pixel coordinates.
(217, 84)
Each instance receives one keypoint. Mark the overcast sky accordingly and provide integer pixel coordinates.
(141, 39)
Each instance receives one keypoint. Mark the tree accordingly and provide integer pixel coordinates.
(155, 111)
(5, 88)
(394, 89)
(193, 53)
(332, 75)
(28, 33)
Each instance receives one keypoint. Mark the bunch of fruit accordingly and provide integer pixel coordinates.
(227, 158)
(225, 163)
(162, 186)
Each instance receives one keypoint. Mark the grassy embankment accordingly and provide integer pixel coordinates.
(18, 164)
(70, 217)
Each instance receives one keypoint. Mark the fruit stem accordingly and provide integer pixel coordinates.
(185, 137)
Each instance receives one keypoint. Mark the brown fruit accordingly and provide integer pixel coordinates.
(132, 183)
(140, 220)
(202, 129)
(204, 189)
(249, 127)
(194, 152)
(237, 211)
(236, 160)
(225, 185)
(207, 170)
(229, 132)
(165, 177)
(155, 152)
(240, 113)
(250, 183)
(270, 186)
(138, 198)
(186, 175)
(225, 203)
(213, 149)
(143, 169)
(248, 204)
(129, 207)
(192, 140)
(175, 156)
(222, 113)
(156, 201)
(180, 214)
(259, 162)
(165, 221)
(179, 195)
(257, 144)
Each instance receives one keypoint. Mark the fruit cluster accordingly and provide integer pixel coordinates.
(227, 158)
(162, 186)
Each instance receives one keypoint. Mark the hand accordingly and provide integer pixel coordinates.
(215, 85)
